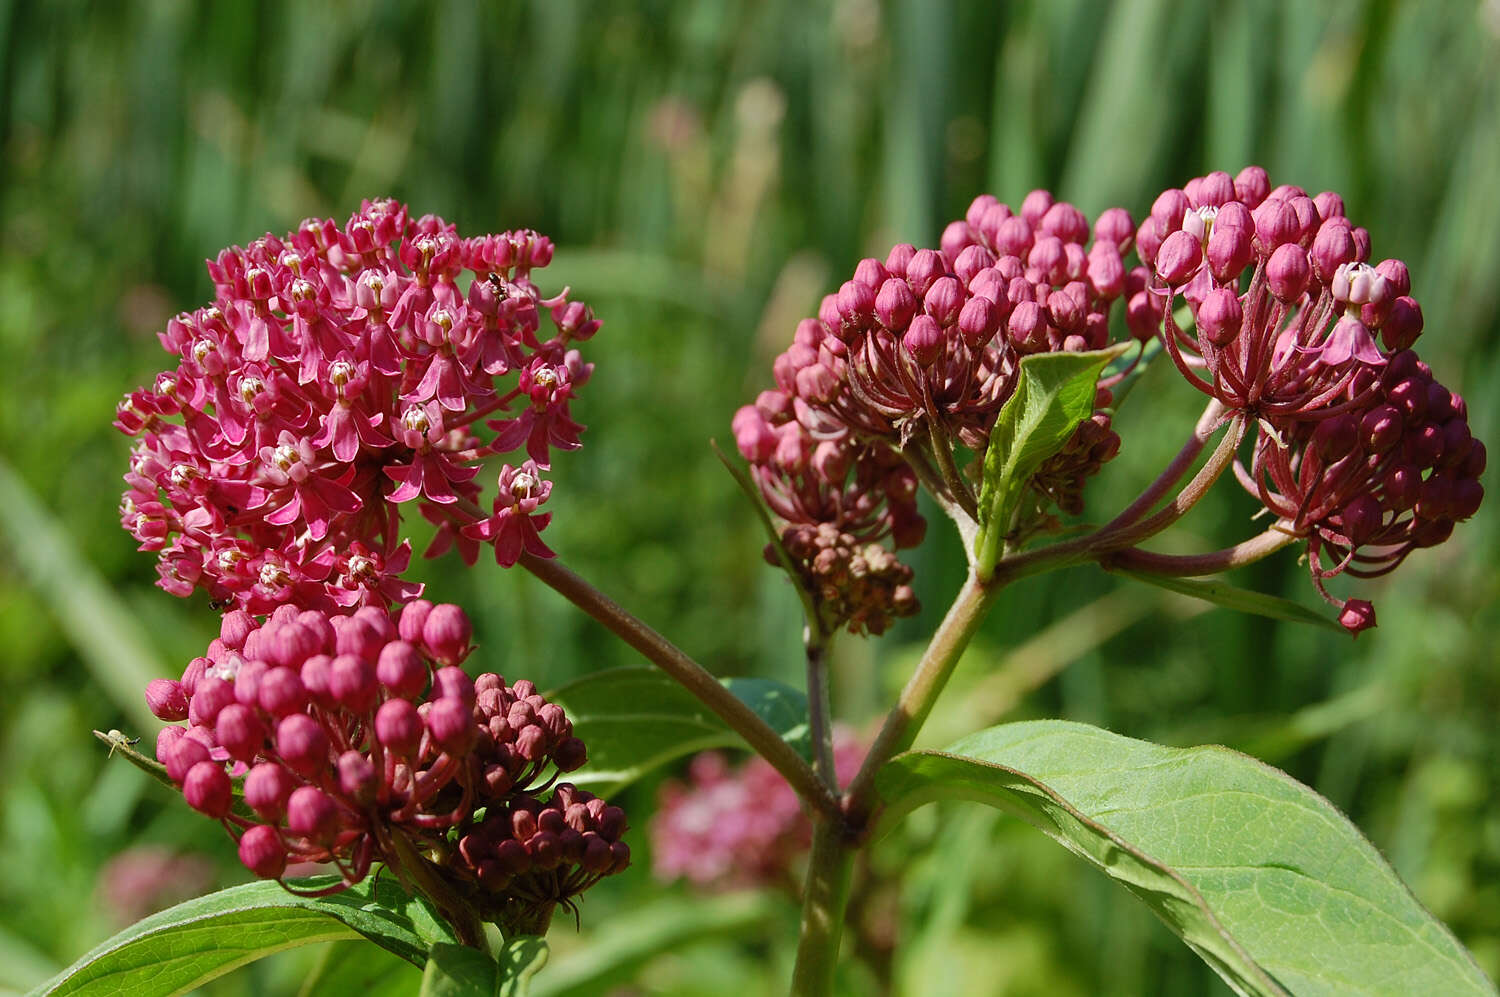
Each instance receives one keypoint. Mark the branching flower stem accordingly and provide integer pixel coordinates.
(692, 676)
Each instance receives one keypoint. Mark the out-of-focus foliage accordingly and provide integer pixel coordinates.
(708, 171)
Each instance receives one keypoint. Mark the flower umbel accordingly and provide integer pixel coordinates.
(341, 372)
(357, 739)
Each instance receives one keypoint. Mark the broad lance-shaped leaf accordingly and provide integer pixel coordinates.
(636, 718)
(1260, 875)
(1054, 394)
(1236, 598)
(185, 946)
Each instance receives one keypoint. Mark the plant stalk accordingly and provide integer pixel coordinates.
(921, 692)
(692, 676)
(819, 708)
(824, 900)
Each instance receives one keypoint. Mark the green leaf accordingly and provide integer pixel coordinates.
(521, 958)
(636, 718)
(185, 946)
(1261, 876)
(458, 971)
(1054, 394)
(1236, 598)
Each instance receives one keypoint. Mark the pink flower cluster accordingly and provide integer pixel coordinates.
(360, 739)
(1359, 448)
(914, 357)
(339, 373)
(738, 828)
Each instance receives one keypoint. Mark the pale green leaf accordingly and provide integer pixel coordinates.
(521, 958)
(1260, 875)
(458, 971)
(1055, 392)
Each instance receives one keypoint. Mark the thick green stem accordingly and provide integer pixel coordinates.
(824, 899)
(692, 676)
(819, 707)
(921, 692)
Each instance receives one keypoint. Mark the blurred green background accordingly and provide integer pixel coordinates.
(708, 171)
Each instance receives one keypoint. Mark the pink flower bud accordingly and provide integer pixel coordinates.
(302, 744)
(896, 261)
(1381, 429)
(1251, 185)
(282, 691)
(1214, 190)
(1106, 270)
(239, 730)
(267, 787)
(1287, 272)
(446, 634)
(943, 300)
(235, 627)
(1065, 222)
(1275, 225)
(211, 695)
(1357, 616)
(1332, 249)
(192, 673)
(1168, 210)
(356, 636)
(413, 616)
(1229, 251)
(569, 755)
(926, 266)
(452, 725)
(1114, 225)
(351, 682)
(357, 778)
(1178, 259)
(1330, 204)
(817, 384)
(454, 683)
(1219, 317)
(856, 303)
(895, 304)
(312, 814)
(1396, 275)
(207, 789)
(871, 273)
(1013, 237)
(1034, 207)
(166, 700)
(182, 753)
(262, 853)
(398, 727)
(401, 670)
(971, 261)
(924, 340)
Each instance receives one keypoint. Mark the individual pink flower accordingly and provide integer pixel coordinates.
(515, 524)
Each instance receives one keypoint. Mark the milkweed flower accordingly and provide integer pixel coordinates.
(356, 739)
(1359, 449)
(340, 373)
(911, 361)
